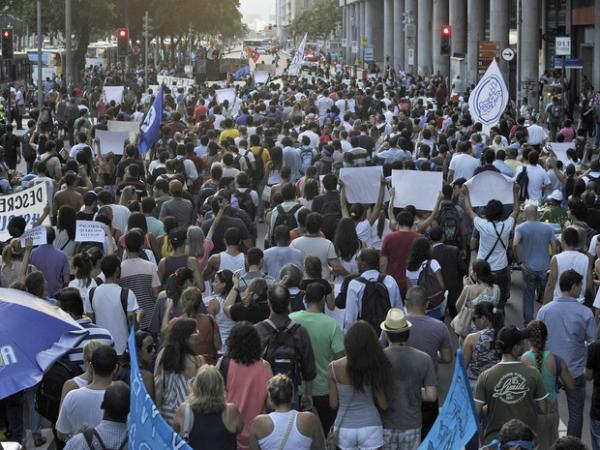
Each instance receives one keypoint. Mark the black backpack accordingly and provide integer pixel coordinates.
(49, 391)
(523, 181)
(124, 297)
(375, 302)
(449, 221)
(281, 352)
(245, 202)
(331, 213)
(287, 218)
(257, 173)
(91, 433)
(297, 301)
(429, 282)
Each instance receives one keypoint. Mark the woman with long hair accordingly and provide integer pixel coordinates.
(169, 305)
(554, 371)
(214, 424)
(309, 192)
(179, 258)
(357, 386)
(15, 263)
(479, 351)
(86, 377)
(170, 223)
(222, 283)
(146, 355)
(200, 246)
(175, 366)
(83, 280)
(65, 227)
(128, 194)
(363, 218)
(150, 246)
(251, 306)
(246, 375)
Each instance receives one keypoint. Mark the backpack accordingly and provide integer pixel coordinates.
(124, 297)
(375, 302)
(429, 282)
(280, 351)
(287, 218)
(297, 301)
(331, 213)
(257, 173)
(49, 391)
(245, 202)
(449, 221)
(306, 159)
(523, 181)
(27, 151)
(91, 433)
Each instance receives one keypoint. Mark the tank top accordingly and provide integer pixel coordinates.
(80, 382)
(548, 378)
(571, 259)
(225, 324)
(483, 355)
(295, 439)
(172, 263)
(233, 263)
(357, 408)
(209, 433)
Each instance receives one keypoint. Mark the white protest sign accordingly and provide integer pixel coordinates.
(261, 76)
(560, 150)
(362, 184)
(89, 231)
(490, 185)
(28, 203)
(230, 95)
(113, 93)
(112, 141)
(133, 128)
(417, 188)
(36, 234)
(175, 82)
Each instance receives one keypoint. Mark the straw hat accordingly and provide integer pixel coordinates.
(395, 322)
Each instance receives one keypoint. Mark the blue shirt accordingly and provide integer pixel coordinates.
(535, 239)
(570, 326)
(504, 168)
(54, 264)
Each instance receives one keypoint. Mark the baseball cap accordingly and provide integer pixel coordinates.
(510, 336)
(175, 186)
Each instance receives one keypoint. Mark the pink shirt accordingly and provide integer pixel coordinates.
(208, 248)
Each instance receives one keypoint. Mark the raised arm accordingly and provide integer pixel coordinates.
(468, 207)
(515, 211)
(343, 202)
(427, 222)
(391, 215)
(223, 204)
(377, 209)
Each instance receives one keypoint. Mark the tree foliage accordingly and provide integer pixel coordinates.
(319, 21)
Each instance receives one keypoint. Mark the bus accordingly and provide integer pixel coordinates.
(53, 62)
(262, 46)
(17, 70)
(101, 54)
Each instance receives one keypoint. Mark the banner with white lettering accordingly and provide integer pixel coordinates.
(147, 429)
(89, 231)
(37, 236)
(28, 203)
(415, 187)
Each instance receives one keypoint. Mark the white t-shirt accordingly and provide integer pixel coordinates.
(80, 408)
(106, 305)
(463, 166)
(572, 259)
(538, 178)
(319, 247)
(487, 238)
(413, 276)
(76, 149)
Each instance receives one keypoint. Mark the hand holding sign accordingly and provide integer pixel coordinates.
(90, 231)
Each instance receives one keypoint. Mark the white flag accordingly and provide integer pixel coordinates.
(296, 64)
(489, 98)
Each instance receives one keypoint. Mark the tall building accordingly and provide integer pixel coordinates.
(286, 11)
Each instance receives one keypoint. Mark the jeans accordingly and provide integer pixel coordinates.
(35, 420)
(595, 434)
(575, 403)
(503, 281)
(534, 282)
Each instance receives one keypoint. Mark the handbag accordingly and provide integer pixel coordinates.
(266, 194)
(461, 324)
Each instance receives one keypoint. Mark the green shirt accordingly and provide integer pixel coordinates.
(510, 391)
(326, 339)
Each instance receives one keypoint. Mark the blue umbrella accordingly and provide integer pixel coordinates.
(28, 326)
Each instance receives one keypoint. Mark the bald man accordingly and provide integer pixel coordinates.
(533, 247)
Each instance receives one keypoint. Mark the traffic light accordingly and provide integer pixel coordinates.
(122, 41)
(446, 37)
(7, 43)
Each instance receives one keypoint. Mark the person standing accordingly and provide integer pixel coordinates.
(571, 326)
(414, 381)
(53, 263)
(534, 240)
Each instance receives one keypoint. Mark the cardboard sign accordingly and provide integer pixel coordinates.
(89, 231)
(133, 128)
(560, 150)
(490, 185)
(111, 141)
(113, 93)
(28, 203)
(363, 184)
(36, 234)
(418, 188)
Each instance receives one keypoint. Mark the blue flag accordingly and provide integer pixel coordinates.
(241, 72)
(457, 422)
(150, 127)
(147, 429)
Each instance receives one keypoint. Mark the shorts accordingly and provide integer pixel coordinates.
(365, 438)
(401, 439)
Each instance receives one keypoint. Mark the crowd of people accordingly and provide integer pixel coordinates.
(270, 312)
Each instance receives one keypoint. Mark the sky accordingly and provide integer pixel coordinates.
(253, 8)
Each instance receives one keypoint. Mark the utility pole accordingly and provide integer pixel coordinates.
(147, 29)
(40, 40)
(69, 56)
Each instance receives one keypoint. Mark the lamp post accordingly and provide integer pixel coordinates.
(40, 40)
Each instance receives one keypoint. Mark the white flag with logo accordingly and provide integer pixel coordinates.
(488, 100)
(296, 64)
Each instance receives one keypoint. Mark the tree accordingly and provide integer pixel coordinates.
(318, 22)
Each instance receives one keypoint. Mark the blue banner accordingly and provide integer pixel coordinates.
(457, 421)
(150, 127)
(147, 429)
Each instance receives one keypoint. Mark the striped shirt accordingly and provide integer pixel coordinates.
(141, 277)
(94, 333)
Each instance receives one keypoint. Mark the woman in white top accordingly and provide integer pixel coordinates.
(86, 377)
(363, 218)
(418, 258)
(285, 428)
(83, 280)
(569, 258)
(221, 285)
